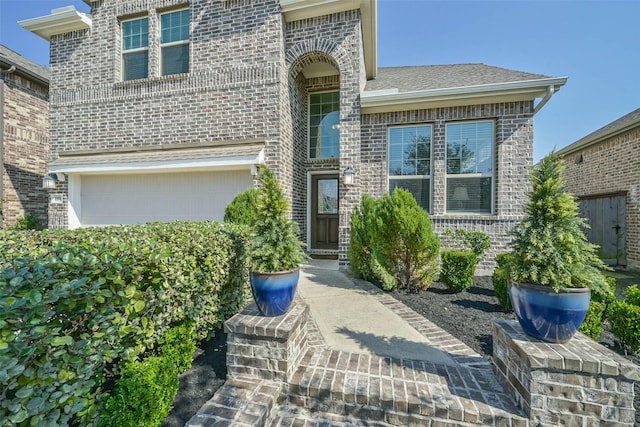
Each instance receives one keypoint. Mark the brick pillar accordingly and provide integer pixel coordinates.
(269, 348)
(577, 383)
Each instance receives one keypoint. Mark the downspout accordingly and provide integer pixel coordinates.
(547, 97)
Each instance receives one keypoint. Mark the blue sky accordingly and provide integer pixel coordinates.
(594, 43)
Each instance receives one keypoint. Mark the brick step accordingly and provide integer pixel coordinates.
(242, 401)
(400, 392)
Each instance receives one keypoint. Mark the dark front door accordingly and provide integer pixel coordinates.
(606, 216)
(324, 212)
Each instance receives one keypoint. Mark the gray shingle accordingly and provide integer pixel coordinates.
(8, 58)
(417, 78)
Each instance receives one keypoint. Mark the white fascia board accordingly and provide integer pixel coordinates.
(523, 89)
(228, 163)
(62, 20)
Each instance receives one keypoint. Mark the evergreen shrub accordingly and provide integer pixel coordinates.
(143, 395)
(500, 280)
(360, 251)
(458, 269)
(404, 244)
(594, 320)
(243, 209)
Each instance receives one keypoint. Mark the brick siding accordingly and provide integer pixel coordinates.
(611, 166)
(25, 140)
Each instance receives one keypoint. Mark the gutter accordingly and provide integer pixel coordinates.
(547, 97)
(528, 87)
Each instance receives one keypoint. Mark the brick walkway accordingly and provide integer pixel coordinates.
(333, 388)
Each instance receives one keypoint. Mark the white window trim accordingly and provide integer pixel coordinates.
(319, 159)
(176, 43)
(124, 51)
(491, 175)
(429, 176)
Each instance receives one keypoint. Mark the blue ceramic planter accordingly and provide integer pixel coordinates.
(273, 292)
(547, 315)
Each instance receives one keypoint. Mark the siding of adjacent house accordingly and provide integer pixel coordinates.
(25, 147)
(607, 167)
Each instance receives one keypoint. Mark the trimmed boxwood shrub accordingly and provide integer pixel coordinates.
(458, 269)
(475, 241)
(592, 325)
(404, 244)
(624, 319)
(243, 209)
(74, 302)
(177, 346)
(143, 395)
(500, 280)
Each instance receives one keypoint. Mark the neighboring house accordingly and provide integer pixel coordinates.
(161, 110)
(24, 138)
(603, 171)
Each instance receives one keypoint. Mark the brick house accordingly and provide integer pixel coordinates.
(603, 171)
(161, 110)
(24, 137)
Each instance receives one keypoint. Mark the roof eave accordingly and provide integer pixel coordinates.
(527, 90)
(592, 139)
(295, 10)
(62, 20)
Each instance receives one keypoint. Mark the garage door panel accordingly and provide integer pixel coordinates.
(139, 198)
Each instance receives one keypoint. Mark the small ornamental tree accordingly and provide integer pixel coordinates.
(550, 247)
(274, 245)
(404, 243)
(360, 245)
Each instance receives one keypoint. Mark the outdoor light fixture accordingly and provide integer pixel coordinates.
(254, 170)
(347, 175)
(49, 181)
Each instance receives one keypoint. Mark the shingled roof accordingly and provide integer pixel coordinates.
(623, 124)
(417, 78)
(29, 69)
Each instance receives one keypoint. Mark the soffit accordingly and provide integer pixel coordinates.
(60, 21)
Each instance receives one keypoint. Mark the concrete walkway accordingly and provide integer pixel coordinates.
(351, 317)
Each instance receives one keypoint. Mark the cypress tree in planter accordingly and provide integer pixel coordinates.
(553, 267)
(275, 252)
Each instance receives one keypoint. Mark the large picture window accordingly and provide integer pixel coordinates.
(135, 49)
(410, 161)
(324, 125)
(470, 167)
(174, 42)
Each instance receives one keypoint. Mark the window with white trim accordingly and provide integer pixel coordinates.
(174, 42)
(410, 161)
(470, 166)
(324, 125)
(135, 49)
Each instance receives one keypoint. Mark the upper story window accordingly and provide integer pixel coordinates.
(470, 167)
(410, 161)
(324, 125)
(135, 49)
(174, 42)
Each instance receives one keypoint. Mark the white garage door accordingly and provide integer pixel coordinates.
(139, 198)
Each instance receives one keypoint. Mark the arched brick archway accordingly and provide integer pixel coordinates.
(318, 50)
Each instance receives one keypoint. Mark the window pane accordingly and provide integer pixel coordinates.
(175, 59)
(175, 26)
(135, 65)
(410, 150)
(135, 34)
(470, 148)
(324, 125)
(327, 196)
(469, 195)
(419, 187)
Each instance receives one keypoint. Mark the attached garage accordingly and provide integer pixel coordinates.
(174, 183)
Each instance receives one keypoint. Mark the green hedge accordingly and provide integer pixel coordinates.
(74, 302)
(624, 319)
(592, 325)
(458, 268)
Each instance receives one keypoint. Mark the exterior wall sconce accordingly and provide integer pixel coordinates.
(49, 181)
(254, 170)
(347, 175)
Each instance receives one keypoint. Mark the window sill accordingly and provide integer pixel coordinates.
(330, 160)
(151, 80)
